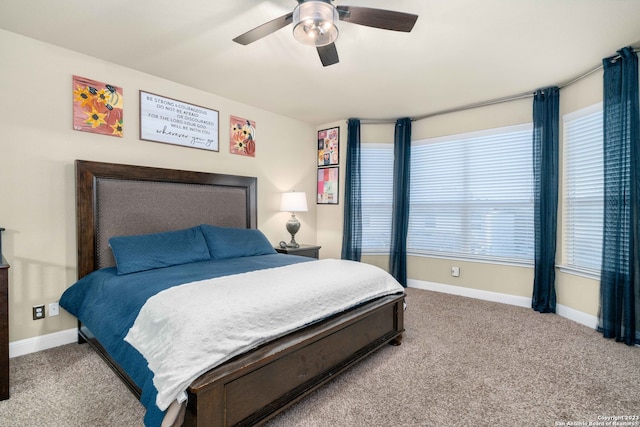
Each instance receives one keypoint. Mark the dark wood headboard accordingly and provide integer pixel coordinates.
(118, 200)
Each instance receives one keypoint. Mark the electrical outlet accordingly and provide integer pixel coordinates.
(38, 312)
(455, 271)
(54, 309)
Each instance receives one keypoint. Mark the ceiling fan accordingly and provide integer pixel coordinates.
(314, 24)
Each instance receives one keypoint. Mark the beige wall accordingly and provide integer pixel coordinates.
(38, 148)
(573, 291)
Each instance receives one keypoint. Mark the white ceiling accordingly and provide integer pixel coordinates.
(460, 51)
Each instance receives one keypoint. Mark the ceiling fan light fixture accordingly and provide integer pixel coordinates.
(314, 23)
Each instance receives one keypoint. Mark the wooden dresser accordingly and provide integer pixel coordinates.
(4, 329)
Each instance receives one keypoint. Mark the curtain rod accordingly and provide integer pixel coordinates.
(476, 105)
(490, 102)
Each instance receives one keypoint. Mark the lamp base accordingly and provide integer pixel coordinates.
(293, 225)
(293, 244)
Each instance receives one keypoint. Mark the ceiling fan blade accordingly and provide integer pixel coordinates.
(328, 54)
(377, 18)
(264, 29)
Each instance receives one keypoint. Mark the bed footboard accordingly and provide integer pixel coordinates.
(254, 387)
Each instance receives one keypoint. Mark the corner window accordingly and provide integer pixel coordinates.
(472, 196)
(583, 190)
(376, 161)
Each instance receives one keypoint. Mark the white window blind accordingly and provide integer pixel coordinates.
(376, 162)
(472, 196)
(583, 190)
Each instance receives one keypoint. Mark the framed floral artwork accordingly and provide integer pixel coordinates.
(97, 107)
(329, 147)
(243, 136)
(328, 185)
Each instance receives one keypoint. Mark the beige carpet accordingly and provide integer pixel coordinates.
(463, 362)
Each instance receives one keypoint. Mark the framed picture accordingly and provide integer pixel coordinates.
(328, 185)
(329, 147)
(175, 122)
(97, 107)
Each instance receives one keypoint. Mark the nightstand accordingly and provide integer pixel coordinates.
(304, 250)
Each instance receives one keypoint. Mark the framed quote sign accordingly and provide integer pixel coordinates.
(175, 122)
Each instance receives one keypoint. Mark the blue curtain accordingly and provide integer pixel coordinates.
(352, 226)
(400, 215)
(620, 274)
(545, 174)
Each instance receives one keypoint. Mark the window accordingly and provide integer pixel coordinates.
(376, 161)
(472, 196)
(583, 190)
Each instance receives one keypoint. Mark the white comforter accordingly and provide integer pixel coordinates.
(186, 330)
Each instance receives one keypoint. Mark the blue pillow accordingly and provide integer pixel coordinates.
(149, 251)
(225, 242)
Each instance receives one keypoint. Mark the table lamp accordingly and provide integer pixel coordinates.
(293, 202)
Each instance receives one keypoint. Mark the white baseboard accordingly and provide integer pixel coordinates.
(561, 310)
(32, 345)
(577, 316)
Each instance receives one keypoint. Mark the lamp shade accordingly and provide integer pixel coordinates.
(294, 202)
(314, 23)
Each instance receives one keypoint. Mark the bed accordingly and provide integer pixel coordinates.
(248, 388)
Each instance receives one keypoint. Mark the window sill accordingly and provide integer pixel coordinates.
(588, 274)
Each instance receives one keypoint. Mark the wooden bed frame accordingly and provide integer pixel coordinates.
(117, 199)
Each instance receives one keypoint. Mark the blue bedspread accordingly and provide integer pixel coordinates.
(108, 305)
